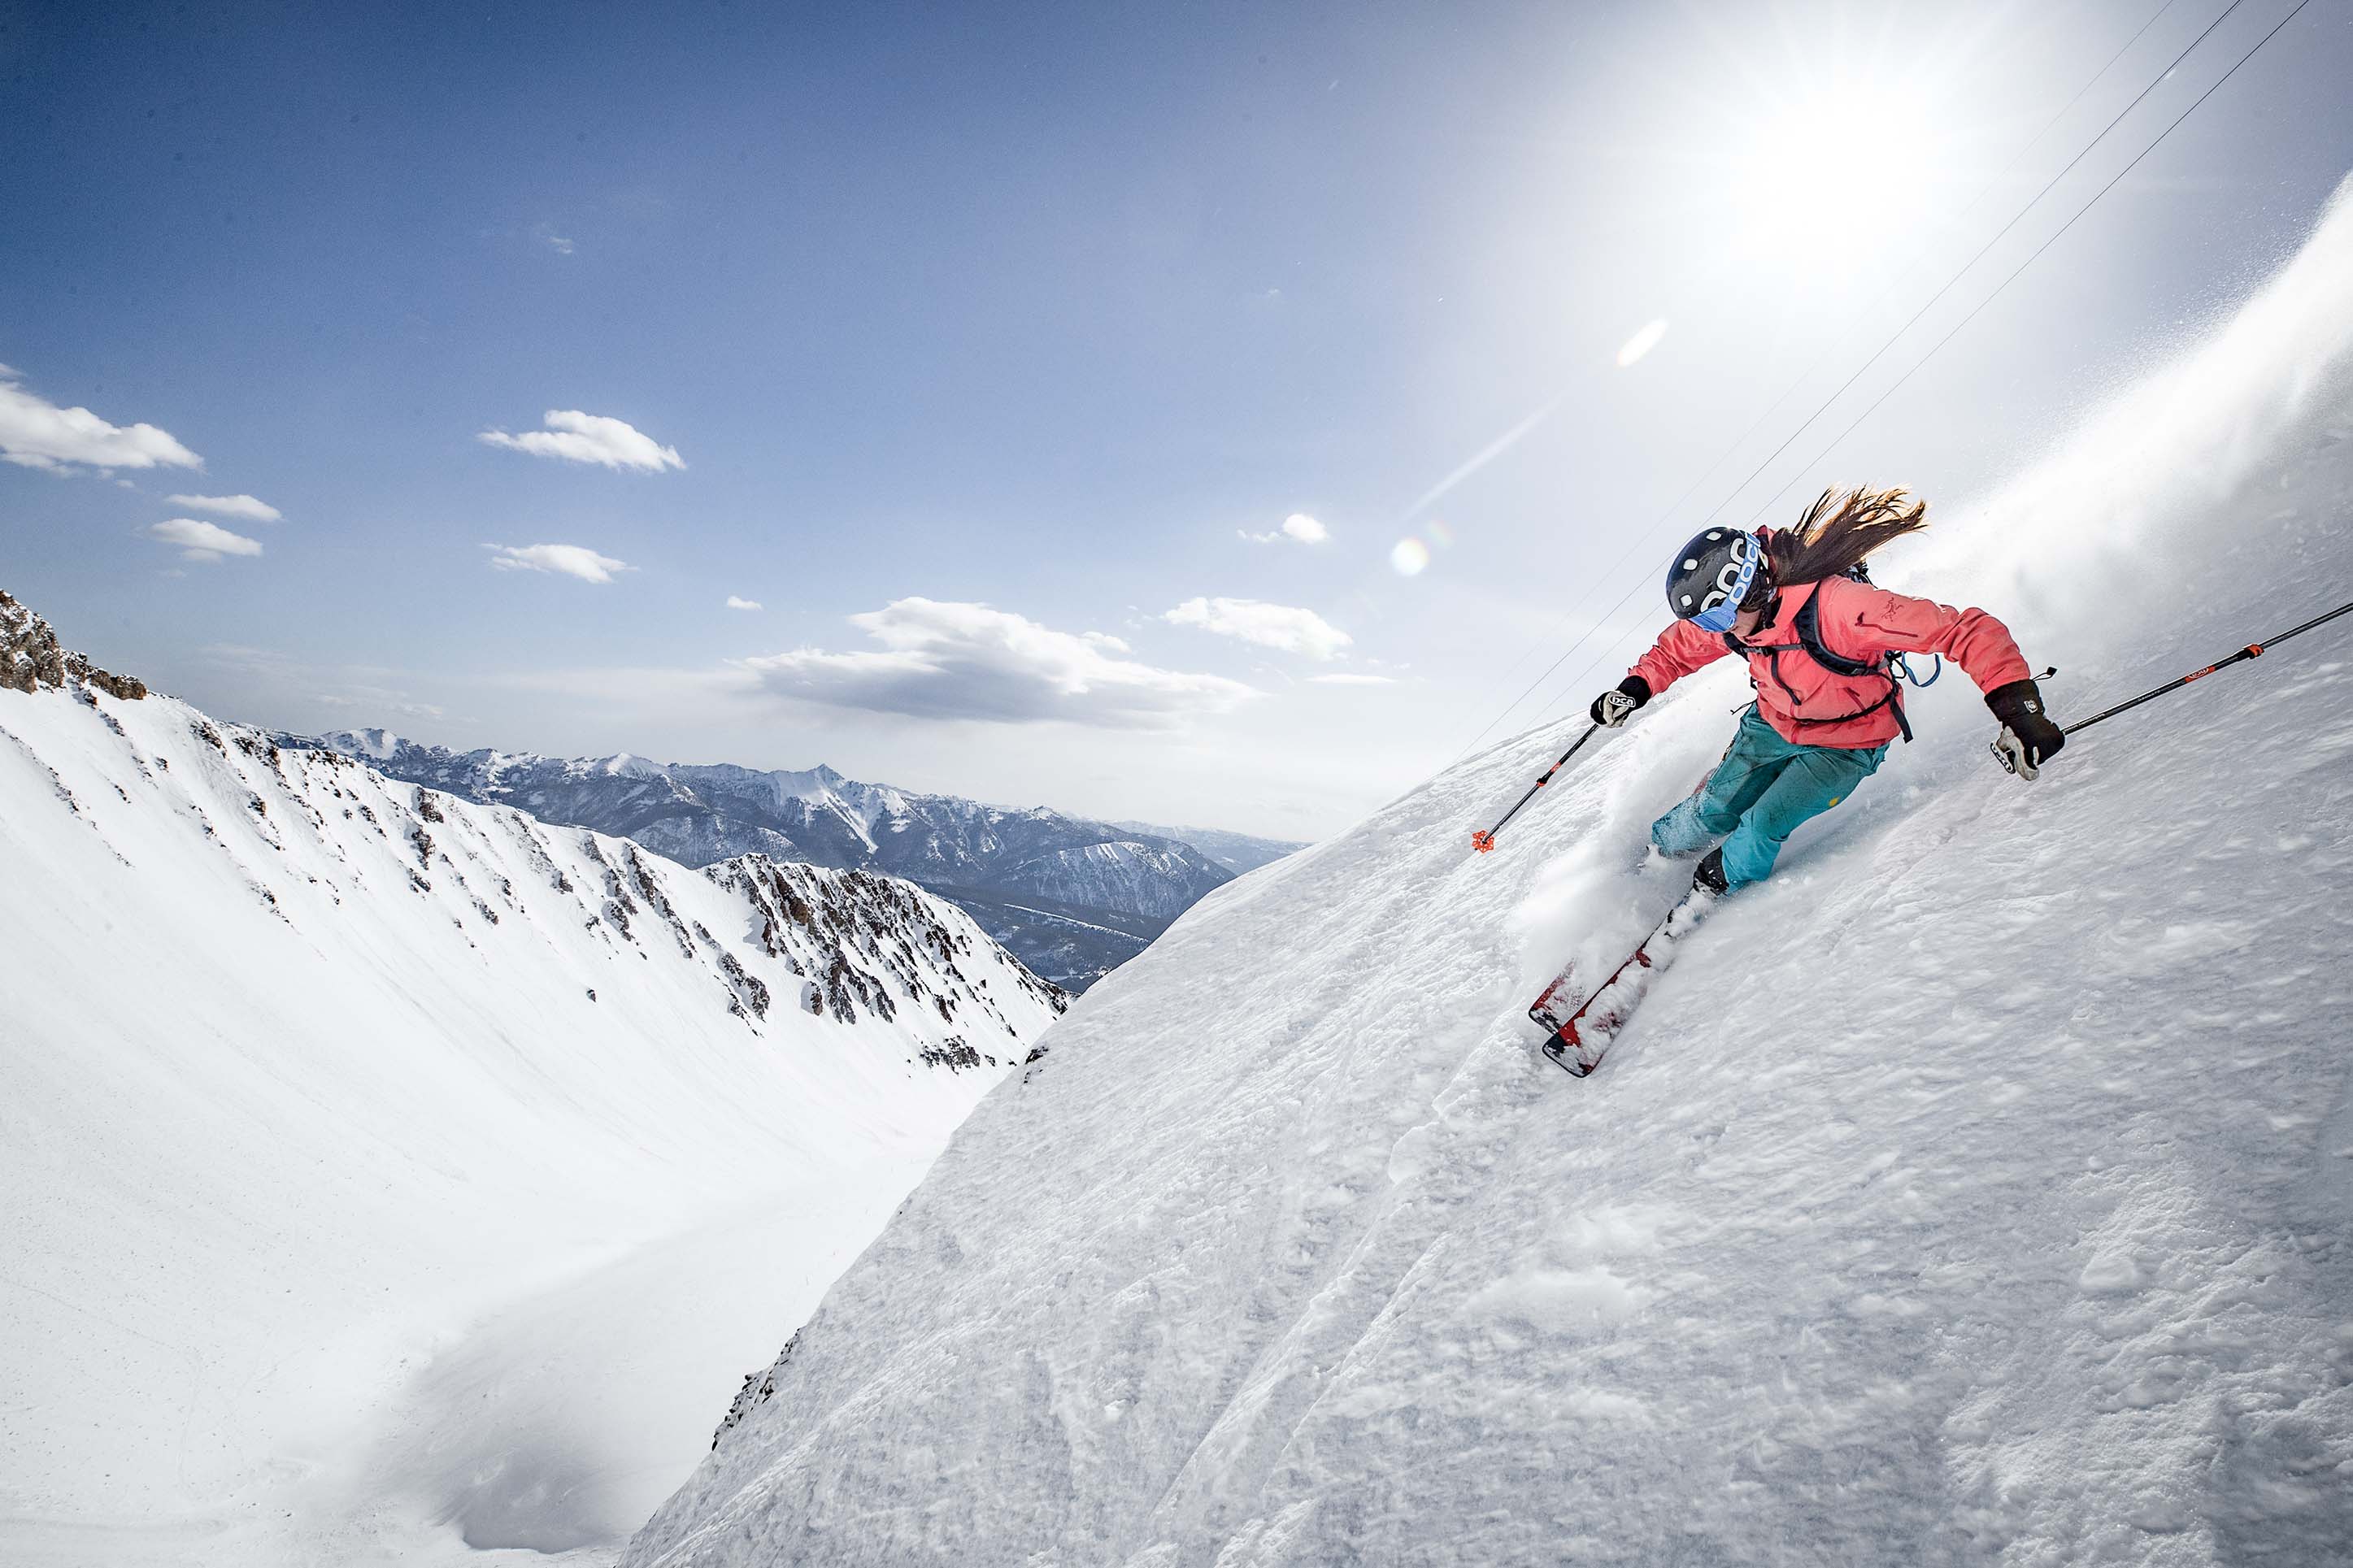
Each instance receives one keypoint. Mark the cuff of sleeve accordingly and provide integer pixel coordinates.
(2017, 699)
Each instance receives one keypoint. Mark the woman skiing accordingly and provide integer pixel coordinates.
(1820, 639)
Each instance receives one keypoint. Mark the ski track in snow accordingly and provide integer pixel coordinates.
(1069, 921)
(1979, 1190)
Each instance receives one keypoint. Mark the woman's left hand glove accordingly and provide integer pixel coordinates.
(2028, 739)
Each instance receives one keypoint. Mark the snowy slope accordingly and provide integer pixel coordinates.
(1980, 1189)
(329, 1105)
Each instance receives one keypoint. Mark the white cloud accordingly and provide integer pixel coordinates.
(1282, 627)
(37, 433)
(230, 506)
(375, 700)
(1298, 527)
(546, 234)
(1351, 680)
(580, 437)
(735, 604)
(200, 541)
(948, 660)
(563, 560)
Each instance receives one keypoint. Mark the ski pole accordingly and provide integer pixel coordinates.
(1483, 842)
(2252, 650)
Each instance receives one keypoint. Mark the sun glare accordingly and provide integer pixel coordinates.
(1838, 173)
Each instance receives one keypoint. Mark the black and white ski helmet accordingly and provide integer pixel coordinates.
(1711, 574)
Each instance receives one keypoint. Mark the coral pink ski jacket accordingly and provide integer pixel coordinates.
(1809, 704)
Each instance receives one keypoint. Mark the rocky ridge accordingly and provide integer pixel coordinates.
(31, 658)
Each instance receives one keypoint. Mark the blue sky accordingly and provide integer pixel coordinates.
(983, 335)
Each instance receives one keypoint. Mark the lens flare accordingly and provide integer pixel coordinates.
(1439, 534)
(1409, 557)
(1641, 342)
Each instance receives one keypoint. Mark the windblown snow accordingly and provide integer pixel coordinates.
(382, 1174)
(1980, 1189)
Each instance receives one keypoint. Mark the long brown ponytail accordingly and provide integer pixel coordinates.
(1839, 531)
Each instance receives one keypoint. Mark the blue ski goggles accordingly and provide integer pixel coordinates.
(1721, 606)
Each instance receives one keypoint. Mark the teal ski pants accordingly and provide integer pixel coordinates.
(1758, 794)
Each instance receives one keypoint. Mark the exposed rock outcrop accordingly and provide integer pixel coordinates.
(30, 659)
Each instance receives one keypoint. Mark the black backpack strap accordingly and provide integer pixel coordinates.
(1808, 627)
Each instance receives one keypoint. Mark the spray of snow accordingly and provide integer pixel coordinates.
(2122, 525)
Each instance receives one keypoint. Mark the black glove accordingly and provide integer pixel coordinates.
(2028, 739)
(1609, 709)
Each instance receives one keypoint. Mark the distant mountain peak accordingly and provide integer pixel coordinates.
(621, 765)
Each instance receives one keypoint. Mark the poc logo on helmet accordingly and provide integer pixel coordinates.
(1711, 574)
(1731, 578)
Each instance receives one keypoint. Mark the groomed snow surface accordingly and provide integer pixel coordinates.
(384, 1177)
(1978, 1190)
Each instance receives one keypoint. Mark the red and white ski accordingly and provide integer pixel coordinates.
(1578, 1039)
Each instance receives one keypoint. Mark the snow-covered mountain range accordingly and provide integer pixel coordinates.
(328, 1102)
(1071, 897)
(1978, 1189)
